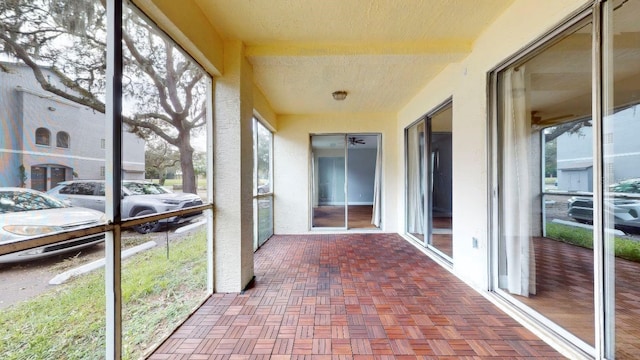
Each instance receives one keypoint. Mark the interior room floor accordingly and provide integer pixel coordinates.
(564, 284)
(333, 216)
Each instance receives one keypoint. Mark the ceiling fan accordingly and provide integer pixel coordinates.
(355, 141)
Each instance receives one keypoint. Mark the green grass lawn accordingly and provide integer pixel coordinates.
(624, 248)
(265, 222)
(69, 322)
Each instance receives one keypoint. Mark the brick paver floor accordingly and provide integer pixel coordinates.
(350, 296)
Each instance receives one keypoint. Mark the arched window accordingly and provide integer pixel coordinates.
(43, 136)
(62, 140)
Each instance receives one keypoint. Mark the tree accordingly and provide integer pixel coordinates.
(551, 158)
(158, 158)
(163, 90)
(572, 127)
(263, 151)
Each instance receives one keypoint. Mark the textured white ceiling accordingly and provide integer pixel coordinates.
(380, 51)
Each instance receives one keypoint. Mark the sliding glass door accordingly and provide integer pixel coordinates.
(429, 173)
(345, 181)
(328, 169)
(440, 181)
(621, 174)
(567, 167)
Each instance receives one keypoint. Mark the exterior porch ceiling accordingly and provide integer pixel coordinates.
(381, 52)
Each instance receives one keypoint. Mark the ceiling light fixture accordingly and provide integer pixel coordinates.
(339, 95)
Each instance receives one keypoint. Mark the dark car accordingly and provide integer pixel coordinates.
(622, 203)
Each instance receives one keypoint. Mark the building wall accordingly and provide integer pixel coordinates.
(466, 82)
(361, 172)
(25, 107)
(11, 136)
(575, 151)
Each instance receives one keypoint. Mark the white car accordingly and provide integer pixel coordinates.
(25, 213)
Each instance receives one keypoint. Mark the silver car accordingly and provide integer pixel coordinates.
(139, 198)
(25, 213)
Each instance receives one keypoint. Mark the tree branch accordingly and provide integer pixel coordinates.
(148, 69)
(570, 127)
(153, 127)
(171, 78)
(26, 58)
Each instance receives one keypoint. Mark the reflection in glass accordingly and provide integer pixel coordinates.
(62, 140)
(545, 118)
(328, 181)
(265, 219)
(263, 204)
(43, 136)
(441, 177)
(415, 140)
(621, 172)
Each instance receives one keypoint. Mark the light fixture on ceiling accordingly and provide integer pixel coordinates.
(339, 95)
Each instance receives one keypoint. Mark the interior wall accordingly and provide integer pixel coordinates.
(329, 162)
(442, 170)
(466, 82)
(361, 172)
(291, 167)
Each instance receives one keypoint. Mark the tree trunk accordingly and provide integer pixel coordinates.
(186, 164)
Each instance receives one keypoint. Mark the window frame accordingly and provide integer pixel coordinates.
(38, 136)
(67, 140)
(257, 196)
(114, 225)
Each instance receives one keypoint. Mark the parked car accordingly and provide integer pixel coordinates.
(139, 198)
(263, 189)
(629, 186)
(26, 213)
(625, 210)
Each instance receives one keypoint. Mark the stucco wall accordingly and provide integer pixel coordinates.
(291, 165)
(233, 168)
(466, 82)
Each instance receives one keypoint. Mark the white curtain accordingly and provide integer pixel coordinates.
(518, 272)
(415, 181)
(375, 217)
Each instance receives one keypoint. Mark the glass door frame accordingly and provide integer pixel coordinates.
(257, 196)
(313, 186)
(427, 177)
(604, 296)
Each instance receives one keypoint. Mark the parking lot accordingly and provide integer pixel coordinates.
(24, 280)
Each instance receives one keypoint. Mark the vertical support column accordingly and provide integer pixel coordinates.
(233, 169)
(113, 134)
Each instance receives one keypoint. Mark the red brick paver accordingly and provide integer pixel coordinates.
(360, 296)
